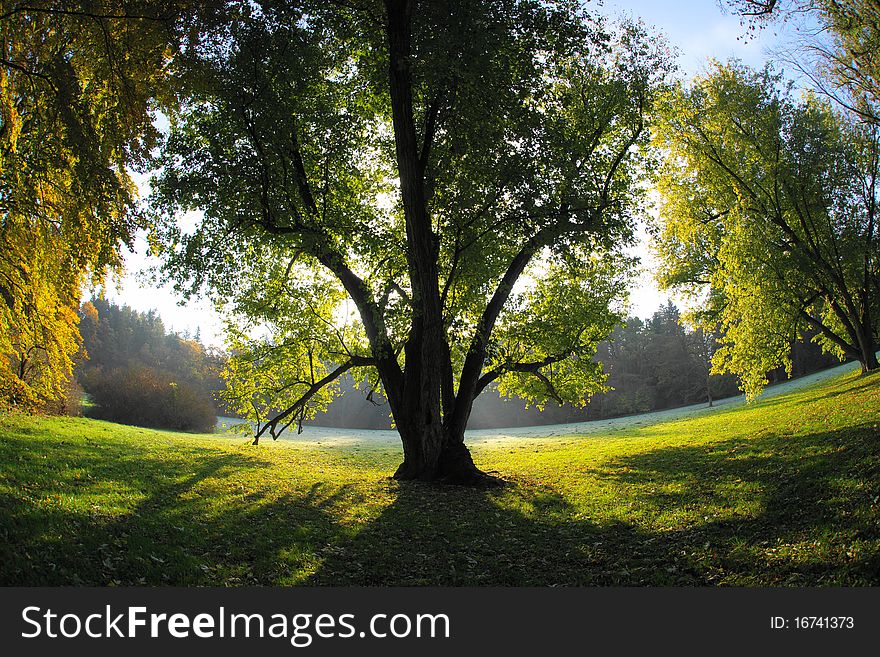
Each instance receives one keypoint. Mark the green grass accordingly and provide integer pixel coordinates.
(782, 492)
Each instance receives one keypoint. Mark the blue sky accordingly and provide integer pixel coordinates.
(698, 29)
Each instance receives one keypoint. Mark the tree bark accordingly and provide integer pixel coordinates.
(431, 452)
(868, 353)
(440, 457)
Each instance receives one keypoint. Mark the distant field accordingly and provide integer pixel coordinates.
(785, 491)
(331, 435)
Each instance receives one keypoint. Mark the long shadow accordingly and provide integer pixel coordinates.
(446, 536)
(767, 510)
(475, 538)
(843, 388)
(523, 536)
(770, 510)
(762, 511)
(175, 534)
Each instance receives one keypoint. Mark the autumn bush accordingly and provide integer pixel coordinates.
(15, 393)
(147, 397)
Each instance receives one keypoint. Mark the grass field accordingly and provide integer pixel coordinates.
(782, 492)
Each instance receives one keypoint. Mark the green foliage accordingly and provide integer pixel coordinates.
(537, 328)
(347, 212)
(783, 492)
(78, 86)
(145, 397)
(278, 358)
(769, 220)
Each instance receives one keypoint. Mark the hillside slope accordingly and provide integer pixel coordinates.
(782, 492)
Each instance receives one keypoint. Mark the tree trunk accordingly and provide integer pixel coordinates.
(431, 453)
(435, 455)
(868, 356)
(709, 387)
(865, 346)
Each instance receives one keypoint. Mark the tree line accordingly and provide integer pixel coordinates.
(652, 365)
(135, 372)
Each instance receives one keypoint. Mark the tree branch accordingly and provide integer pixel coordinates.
(320, 247)
(847, 348)
(430, 129)
(272, 425)
(529, 367)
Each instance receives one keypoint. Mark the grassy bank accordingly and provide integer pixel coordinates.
(782, 492)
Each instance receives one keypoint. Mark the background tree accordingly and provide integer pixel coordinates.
(137, 373)
(701, 345)
(771, 203)
(119, 337)
(635, 358)
(843, 58)
(463, 173)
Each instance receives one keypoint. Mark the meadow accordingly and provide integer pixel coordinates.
(781, 492)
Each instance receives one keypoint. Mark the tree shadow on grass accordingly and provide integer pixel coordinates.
(769, 510)
(191, 523)
(845, 388)
(766, 510)
(755, 512)
(522, 536)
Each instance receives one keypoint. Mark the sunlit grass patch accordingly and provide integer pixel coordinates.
(782, 492)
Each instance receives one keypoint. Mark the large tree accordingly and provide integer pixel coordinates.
(78, 85)
(770, 219)
(434, 195)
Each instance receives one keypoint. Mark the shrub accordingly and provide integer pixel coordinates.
(14, 393)
(149, 398)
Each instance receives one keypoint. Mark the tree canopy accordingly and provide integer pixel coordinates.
(78, 86)
(433, 195)
(769, 206)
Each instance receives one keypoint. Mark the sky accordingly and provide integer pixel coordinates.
(698, 29)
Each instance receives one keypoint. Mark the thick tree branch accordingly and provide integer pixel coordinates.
(431, 117)
(476, 355)
(845, 346)
(319, 246)
(532, 367)
(273, 424)
(426, 346)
